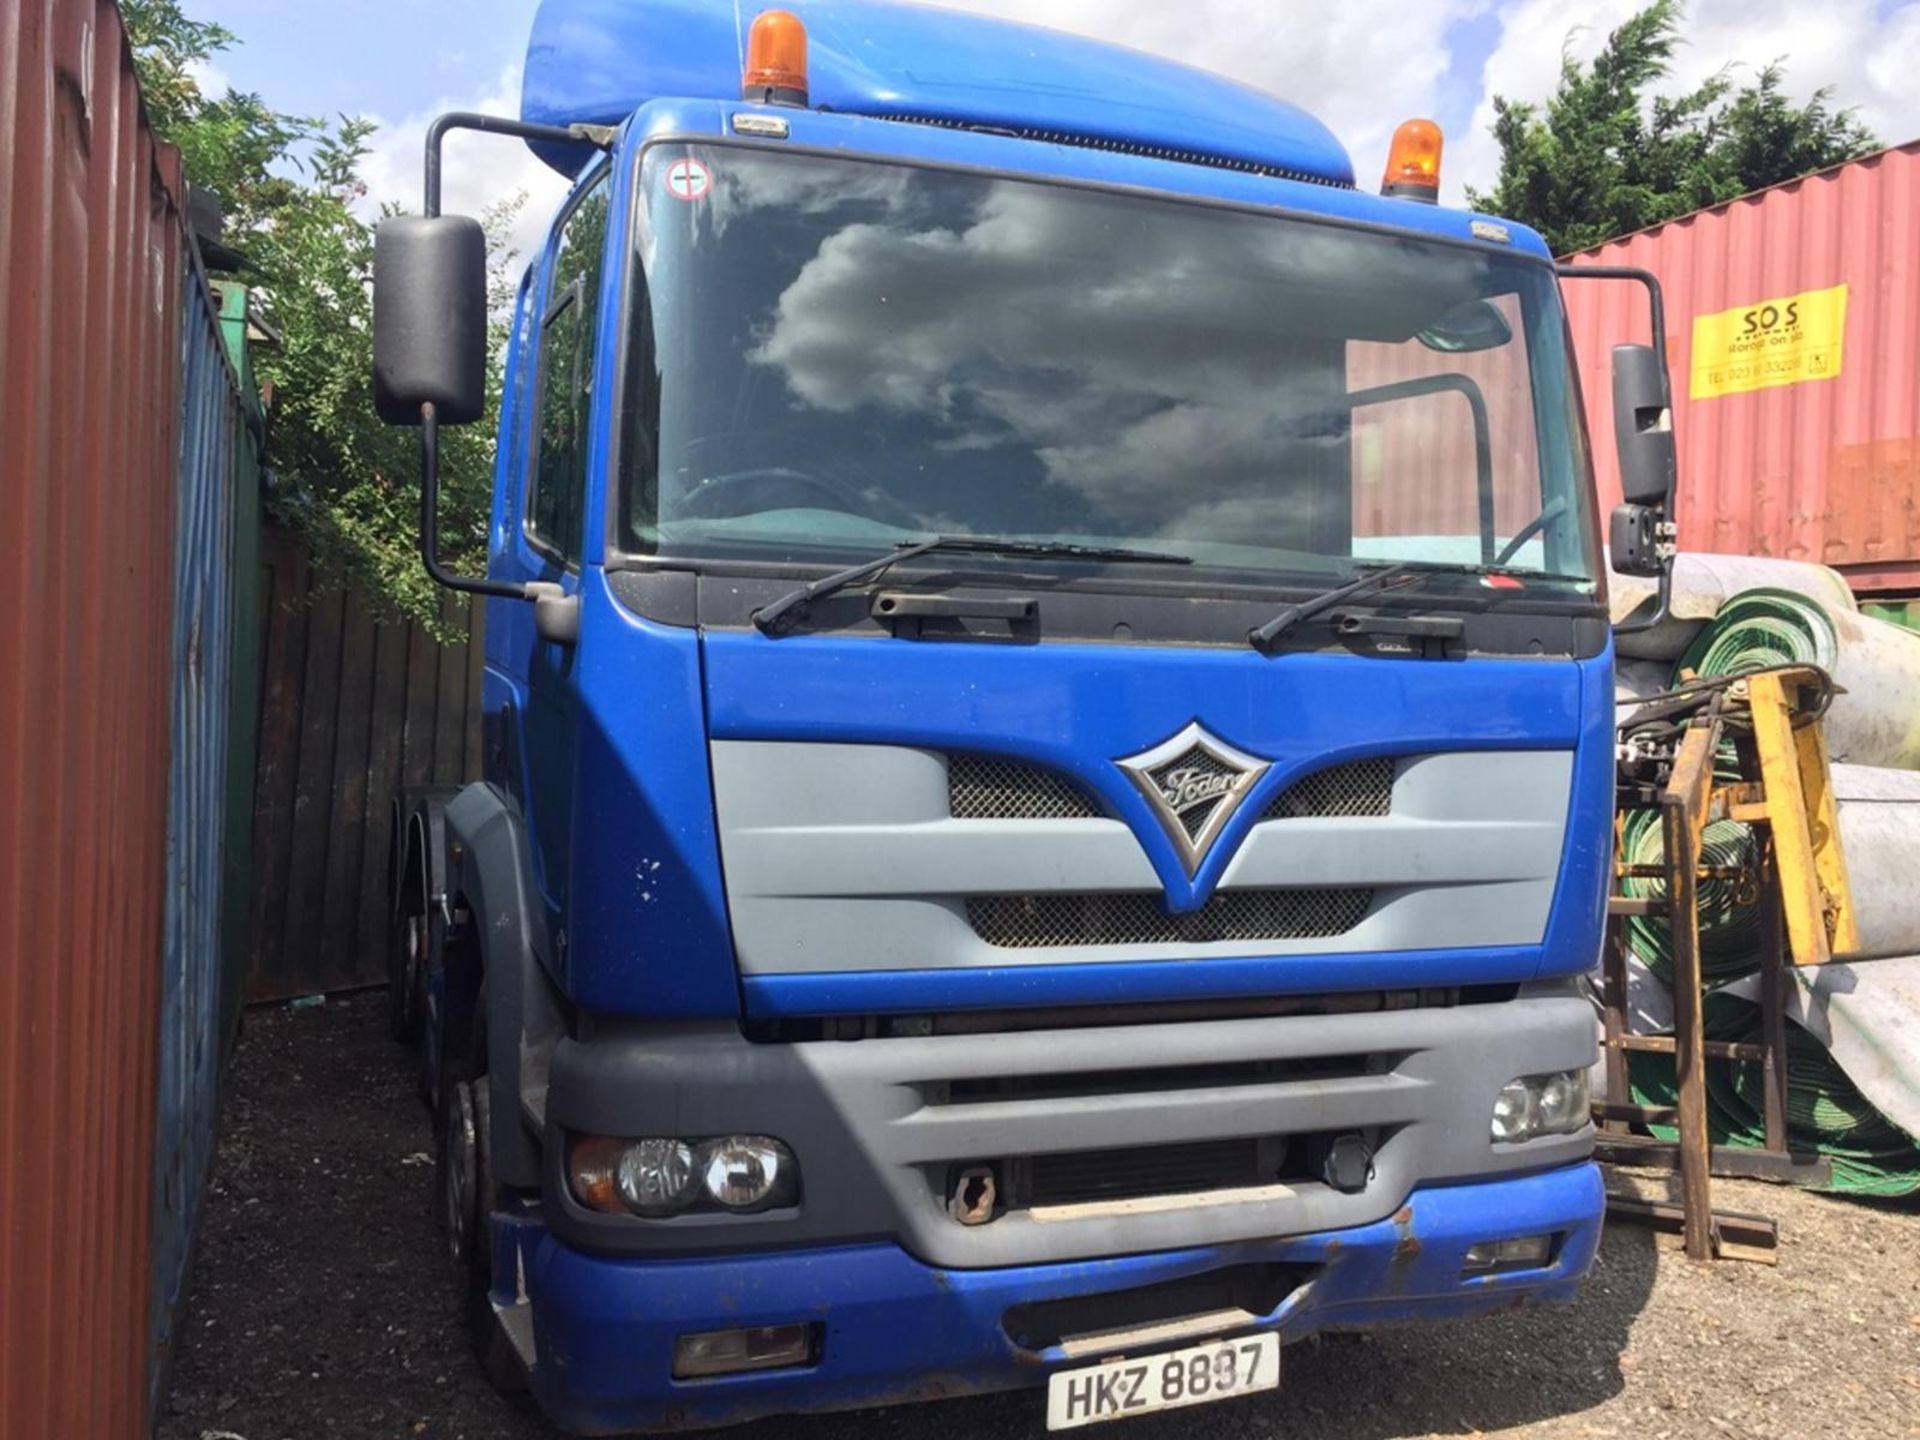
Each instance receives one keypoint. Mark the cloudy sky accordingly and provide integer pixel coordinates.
(1362, 65)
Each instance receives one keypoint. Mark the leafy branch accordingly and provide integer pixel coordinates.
(294, 200)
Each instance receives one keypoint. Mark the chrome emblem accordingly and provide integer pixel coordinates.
(1194, 782)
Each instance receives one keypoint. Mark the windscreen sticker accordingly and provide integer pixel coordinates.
(1782, 341)
(689, 180)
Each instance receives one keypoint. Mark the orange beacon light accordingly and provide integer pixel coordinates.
(1413, 163)
(776, 72)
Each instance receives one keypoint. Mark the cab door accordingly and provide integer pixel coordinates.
(549, 544)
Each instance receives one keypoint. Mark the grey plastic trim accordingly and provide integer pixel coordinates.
(874, 1147)
(845, 858)
(524, 1020)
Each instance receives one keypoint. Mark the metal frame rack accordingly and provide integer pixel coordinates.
(1745, 748)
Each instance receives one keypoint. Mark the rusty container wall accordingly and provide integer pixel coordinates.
(90, 273)
(1825, 465)
(219, 466)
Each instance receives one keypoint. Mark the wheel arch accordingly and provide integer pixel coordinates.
(489, 870)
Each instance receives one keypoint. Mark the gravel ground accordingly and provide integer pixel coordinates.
(319, 1307)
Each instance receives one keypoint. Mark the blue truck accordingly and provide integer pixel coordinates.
(1047, 730)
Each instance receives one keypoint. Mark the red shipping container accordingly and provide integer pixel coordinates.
(1793, 320)
(91, 264)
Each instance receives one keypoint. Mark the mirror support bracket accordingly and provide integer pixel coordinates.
(1665, 531)
(598, 136)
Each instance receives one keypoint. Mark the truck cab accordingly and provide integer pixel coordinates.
(1048, 722)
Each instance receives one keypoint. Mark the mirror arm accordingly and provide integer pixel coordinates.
(430, 522)
(1663, 601)
(596, 135)
(1657, 317)
(1656, 301)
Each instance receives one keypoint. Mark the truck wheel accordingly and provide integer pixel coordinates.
(406, 946)
(432, 1003)
(465, 1197)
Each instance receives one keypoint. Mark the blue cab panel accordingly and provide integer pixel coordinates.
(896, 1329)
(597, 61)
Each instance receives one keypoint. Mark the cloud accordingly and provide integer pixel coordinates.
(478, 170)
(1013, 321)
(209, 77)
(1867, 52)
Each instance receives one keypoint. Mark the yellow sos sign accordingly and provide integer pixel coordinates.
(1783, 341)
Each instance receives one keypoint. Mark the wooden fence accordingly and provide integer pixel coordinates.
(350, 711)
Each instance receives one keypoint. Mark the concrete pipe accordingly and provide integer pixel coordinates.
(1877, 720)
(1702, 584)
(1637, 680)
(1880, 839)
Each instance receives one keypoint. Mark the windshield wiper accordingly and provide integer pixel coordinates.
(1392, 576)
(1262, 637)
(778, 617)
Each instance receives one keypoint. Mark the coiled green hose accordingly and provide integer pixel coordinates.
(1826, 1112)
(1729, 921)
(1758, 628)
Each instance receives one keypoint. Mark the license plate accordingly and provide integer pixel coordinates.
(1116, 1389)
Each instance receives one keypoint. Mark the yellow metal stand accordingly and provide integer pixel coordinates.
(1769, 722)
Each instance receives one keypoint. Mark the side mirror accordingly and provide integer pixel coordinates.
(1633, 540)
(430, 319)
(1643, 425)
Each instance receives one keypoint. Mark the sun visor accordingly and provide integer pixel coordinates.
(597, 61)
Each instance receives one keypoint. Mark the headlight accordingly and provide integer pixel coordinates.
(747, 1172)
(655, 1177)
(660, 1177)
(1536, 1105)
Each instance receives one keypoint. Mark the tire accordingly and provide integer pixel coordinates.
(432, 1006)
(406, 940)
(465, 1196)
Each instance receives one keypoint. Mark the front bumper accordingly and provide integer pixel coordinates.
(881, 1126)
(896, 1329)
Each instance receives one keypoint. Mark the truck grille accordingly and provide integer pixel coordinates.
(1360, 787)
(988, 787)
(985, 787)
(1086, 1177)
(1082, 141)
(1028, 922)
(1064, 1179)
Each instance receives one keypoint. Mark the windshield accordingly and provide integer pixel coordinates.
(832, 355)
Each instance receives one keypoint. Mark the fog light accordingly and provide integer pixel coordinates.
(1534, 1105)
(655, 1177)
(748, 1172)
(1493, 1257)
(733, 1352)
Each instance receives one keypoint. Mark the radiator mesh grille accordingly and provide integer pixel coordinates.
(1083, 1177)
(1360, 787)
(1029, 922)
(984, 787)
(1082, 141)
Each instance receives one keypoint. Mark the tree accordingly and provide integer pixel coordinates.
(291, 185)
(1606, 156)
